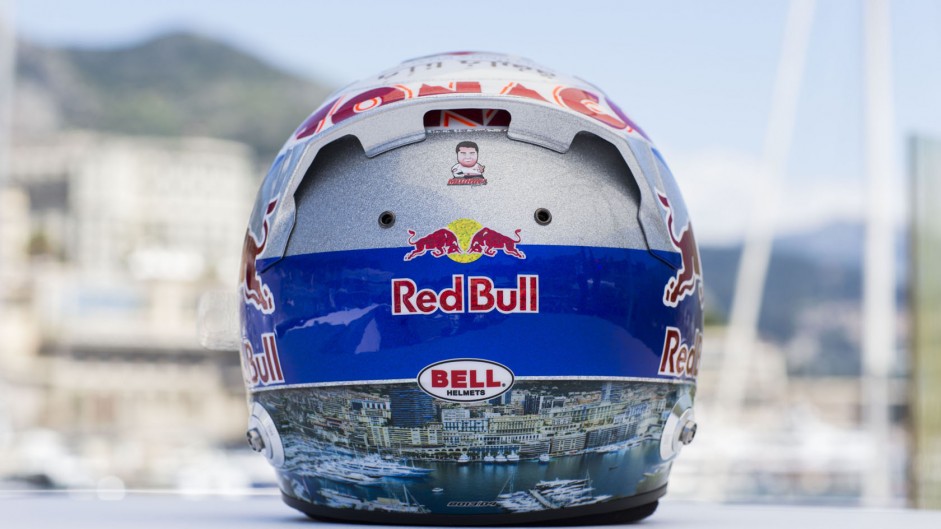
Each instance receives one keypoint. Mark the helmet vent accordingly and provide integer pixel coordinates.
(542, 216)
(467, 119)
(386, 219)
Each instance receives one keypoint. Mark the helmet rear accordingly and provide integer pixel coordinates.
(471, 295)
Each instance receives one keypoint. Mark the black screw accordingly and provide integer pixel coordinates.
(542, 216)
(386, 219)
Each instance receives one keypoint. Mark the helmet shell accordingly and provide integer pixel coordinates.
(471, 295)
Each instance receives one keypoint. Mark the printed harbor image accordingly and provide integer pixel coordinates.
(543, 445)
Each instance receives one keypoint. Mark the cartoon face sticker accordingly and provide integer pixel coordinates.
(467, 156)
(467, 170)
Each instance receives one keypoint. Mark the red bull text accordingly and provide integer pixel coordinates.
(480, 295)
(264, 368)
(678, 358)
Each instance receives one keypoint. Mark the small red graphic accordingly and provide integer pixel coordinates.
(688, 278)
(254, 291)
(488, 242)
(440, 243)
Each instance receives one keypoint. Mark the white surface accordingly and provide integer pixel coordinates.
(167, 510)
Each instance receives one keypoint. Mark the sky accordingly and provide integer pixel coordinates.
(697, 76)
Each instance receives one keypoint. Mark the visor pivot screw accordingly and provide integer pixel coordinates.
(255, 441)
(688, 432)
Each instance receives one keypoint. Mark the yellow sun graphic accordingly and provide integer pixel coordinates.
(465, 230)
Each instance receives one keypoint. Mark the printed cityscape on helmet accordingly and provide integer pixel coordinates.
(471, 294)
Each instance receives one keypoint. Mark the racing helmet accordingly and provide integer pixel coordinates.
(470, 294)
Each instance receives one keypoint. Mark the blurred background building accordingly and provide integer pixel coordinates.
(128, 167)
(125, 233)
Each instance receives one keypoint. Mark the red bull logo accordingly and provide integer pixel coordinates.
(678, 358)
(464, 241)
(489, 242)
(688, 278)
(254, 291)
(474, 294)
(439, 242)
(264, 368)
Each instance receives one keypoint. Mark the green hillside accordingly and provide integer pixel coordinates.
(177, 84)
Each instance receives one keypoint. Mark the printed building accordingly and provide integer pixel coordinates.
(607, 435)
(411, 407)
(567, 443)
(409, 422)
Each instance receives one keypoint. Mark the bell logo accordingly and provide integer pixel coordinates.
(465, 380)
